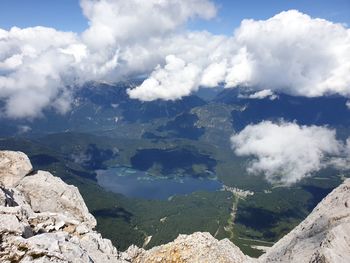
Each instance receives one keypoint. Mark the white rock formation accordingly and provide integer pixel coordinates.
(42, 219)
(47, 193)
(324, 236)
(13, 167)
(198, 247)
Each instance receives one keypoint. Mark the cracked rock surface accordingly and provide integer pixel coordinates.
(42, 219)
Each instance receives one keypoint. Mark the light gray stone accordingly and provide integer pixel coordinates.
(47, 193)
(9, 224)
(3, 198)
(45, 220)
(198, 247)
(13, 167)
(99, 249)
(324, 236)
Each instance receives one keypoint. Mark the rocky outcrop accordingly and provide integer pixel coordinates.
(42, 219)
(46, 193)
(198, 247)
(13, 167)
(324, 236)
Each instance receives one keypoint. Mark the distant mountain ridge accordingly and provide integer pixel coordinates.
(100, 106)
(331, 110)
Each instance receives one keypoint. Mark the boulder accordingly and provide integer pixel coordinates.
(47, 193)
(198, 247)
(13, 167)
(99, 249)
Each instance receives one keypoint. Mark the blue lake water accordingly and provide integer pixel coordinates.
(139, 184)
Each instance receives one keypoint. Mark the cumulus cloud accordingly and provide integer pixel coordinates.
(33, 69)
(290, 53)
(174, 81)
(262, 94)
(296, 54)
(213, 74)
(116, 21)
(39, 66)
(286, 152)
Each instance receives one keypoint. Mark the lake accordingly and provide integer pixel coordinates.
(140, 184)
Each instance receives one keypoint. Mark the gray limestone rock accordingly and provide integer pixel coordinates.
(47, 193)
(13, 167)
(324, 236)
(43, 219)
(198, 247)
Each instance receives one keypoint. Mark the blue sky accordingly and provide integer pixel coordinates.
(232, 12)
(66, 14)
(61, 14)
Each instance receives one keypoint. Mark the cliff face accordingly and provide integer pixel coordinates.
(324, 236)
(42, 219)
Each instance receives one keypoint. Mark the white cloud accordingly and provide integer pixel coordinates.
(262, 94)
(348, 104)
(266, 93)
(286, 152)
(118, 21)
(213, 74)
(290, 53)
(175, 80)
(295, 54)
(342, 162)
(39, 66)
(34, 69)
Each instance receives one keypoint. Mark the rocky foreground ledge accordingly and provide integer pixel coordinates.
(42, 219)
